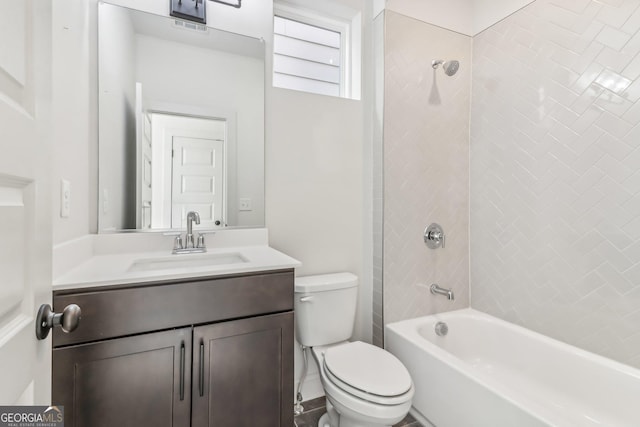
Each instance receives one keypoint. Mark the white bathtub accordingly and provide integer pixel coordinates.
(489, 373)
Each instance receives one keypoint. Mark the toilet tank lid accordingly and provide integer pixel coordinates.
(325, 282)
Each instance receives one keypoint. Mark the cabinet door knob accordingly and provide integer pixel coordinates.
(46, 319)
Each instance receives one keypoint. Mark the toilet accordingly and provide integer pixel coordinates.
(365, 386)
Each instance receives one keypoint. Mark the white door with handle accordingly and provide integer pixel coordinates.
(189, 164)
(25, 199)
(197, 181)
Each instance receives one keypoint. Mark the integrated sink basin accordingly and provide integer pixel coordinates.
(187, 261)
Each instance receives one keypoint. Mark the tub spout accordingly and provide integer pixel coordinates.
(435, 289)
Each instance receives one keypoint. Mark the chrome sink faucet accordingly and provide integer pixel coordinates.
(190, 245)
(191, 216)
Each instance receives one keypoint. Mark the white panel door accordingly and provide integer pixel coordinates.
(25, 199)
(197, 181)
(188, 177)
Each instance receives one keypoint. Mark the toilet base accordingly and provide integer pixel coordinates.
(324, 421)
(331, 418)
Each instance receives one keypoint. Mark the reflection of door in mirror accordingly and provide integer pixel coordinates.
(188, 156)
(143, 169)
(197, 178)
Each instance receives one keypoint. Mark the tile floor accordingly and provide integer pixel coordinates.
(313, 410)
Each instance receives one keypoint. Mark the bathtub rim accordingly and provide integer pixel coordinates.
(409, 330)
(471, 312)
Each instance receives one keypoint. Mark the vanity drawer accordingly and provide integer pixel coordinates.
(109, 313)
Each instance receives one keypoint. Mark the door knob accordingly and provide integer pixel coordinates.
(46, 319)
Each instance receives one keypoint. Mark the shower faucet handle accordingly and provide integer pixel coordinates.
(434, 236)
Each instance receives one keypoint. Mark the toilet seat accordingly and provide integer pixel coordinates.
(368, 372)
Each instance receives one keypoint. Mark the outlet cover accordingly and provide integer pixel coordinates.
(245, 204)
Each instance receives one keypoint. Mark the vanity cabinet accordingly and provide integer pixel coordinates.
(133, 381)
(247, 352)
(217, 352)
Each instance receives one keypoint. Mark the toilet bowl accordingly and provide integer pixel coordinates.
(365, 386)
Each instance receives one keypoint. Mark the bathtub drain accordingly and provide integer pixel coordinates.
(441, 329)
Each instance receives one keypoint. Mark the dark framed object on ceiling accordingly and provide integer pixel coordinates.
(191, 10)
(234, 3)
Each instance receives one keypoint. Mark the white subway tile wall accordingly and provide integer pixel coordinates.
(426, 167)
(378, 182)
(555, 173)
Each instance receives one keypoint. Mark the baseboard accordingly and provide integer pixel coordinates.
(420, 418)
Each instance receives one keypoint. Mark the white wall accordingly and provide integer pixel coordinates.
(467, 17)
(314, 180)
(455, 15)
(117, 130)
(555, 188)
(71, 117)
(488, 12)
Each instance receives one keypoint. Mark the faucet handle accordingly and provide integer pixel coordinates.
(177, 243)
(434, 236)
(201, 244)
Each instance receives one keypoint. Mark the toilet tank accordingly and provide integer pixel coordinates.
(325, 308)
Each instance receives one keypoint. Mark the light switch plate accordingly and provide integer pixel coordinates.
(105, 201)
(65, 198)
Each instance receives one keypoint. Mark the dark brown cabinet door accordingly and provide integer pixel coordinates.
(242, 374)
(140, 381)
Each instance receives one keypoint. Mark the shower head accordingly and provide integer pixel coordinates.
(449, 67)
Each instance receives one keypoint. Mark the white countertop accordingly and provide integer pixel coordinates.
(111, 260)
(114, 269)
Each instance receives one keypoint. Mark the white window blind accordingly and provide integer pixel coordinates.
(307, 57)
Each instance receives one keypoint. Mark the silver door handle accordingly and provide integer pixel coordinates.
(46, 319)
(306, 299)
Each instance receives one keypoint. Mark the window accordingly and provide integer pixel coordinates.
(311, 53)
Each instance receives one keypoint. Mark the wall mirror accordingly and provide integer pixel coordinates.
(181, 123)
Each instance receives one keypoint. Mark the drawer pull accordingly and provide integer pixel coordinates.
(182, 362)
(201, 373)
